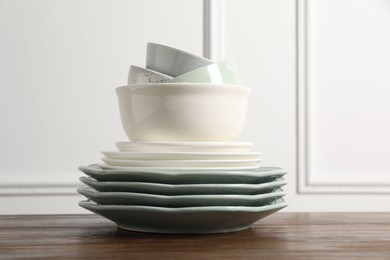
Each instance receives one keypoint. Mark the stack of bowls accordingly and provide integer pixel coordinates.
(182, 170)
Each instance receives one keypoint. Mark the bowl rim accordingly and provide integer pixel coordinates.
(183, 85)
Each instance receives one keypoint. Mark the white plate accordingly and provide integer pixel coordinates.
(152, 169)
(181, 163)
(183, 189)
(204, 147)
(180, 156)
(180, 176)
(191, 220)
(177, 201)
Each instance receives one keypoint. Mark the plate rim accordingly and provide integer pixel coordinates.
(200, 209)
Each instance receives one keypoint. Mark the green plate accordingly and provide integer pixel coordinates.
(183, 189)
(191, 220)
(178, 176)
(129, 198)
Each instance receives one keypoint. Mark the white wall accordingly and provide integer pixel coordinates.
(296, 56)
(61, 61)
(60, 64)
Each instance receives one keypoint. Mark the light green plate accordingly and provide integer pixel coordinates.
(183, 189)
(178, 176)
(192, 220)
(176, 201)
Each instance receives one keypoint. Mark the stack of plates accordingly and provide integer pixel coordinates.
(183, 187)
(186, 155)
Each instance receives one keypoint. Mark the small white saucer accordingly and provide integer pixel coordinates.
(205, 147)
(182, 163)
(180, 155)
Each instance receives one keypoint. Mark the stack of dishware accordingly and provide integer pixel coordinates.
(182, 170)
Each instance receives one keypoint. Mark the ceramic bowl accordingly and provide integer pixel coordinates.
(183, 112)
(224, 72)
(171, 61)
(138, 75)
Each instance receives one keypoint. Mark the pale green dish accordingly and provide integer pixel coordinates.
(178, 176)
(191, 220)
(177, 201)
(183, 189)
(223, 72)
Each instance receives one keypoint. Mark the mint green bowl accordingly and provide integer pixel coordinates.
(223, 72)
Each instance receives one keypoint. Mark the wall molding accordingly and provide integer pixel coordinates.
(213, 29)
(310, 180)
(41, 184)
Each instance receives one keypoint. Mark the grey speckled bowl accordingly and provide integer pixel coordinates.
(138, 75)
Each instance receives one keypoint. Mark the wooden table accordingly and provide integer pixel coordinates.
(280, 236)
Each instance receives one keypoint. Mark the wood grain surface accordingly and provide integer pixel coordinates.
(280, 236)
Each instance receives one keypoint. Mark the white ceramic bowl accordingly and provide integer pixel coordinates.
(171, 61)
(223, 72)
(138, 75)
(178, 112)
